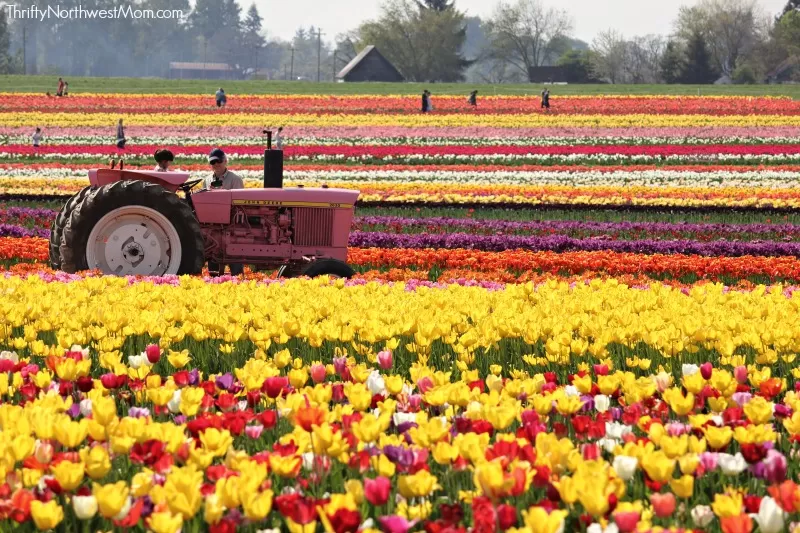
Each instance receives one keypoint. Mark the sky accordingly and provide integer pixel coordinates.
(631, 17)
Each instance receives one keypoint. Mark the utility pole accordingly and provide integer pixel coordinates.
(319, 52)
(291, 70)
(335, 52)
(24, 58)
(205, 48)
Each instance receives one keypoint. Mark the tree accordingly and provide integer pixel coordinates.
(787, 31)
(5, 43)
(423, 44)
(791, 5)
(252, 39)
(577, 67)
(436, 5)
(671, 64)
(608, 56)
(729, 28)
(642, 57)
(697, 68)
(525, 34)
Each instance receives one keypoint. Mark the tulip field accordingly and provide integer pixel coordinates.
(579, 320)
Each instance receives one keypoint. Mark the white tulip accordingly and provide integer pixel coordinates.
(86, 407)
(602, 403)
(702, 515)
(731, 465)
(625, 466)
(770, 517)
(85, 507)
(690, 370)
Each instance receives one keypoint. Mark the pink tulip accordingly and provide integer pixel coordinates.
(706, 369)
(425, 384)
(254, 432)
(377, 490)
(385, 359)
(663, 504)
(396, 524)
(741, 374)
(318, 373)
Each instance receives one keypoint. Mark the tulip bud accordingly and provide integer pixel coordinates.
(663, 504)
(741, 374)
(43, 452)
(318, 373)
(153, 353)
(385, 359)
(705, 370)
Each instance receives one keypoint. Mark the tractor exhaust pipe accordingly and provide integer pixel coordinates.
(273, 165)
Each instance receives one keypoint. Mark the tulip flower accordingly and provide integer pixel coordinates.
(770, 517)
(46, 515)
(385, 359)
(377, 490)
(663, 504)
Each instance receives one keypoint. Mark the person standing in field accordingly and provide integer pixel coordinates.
(546, 99)
(473, 98)
(221, 98)
(425, 101)
(279, 139)
(37, 138)
(60, 90)
(121, 140)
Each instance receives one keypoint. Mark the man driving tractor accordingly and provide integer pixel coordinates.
(222, 178)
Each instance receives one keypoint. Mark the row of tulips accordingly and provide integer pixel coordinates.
(401, 151)
(469, 120)
(369, 104)
(676, 266)
(501, 196)
(554, 243)
(202, 138)
(209, 134)
(41, 219)
(223, 424)
(741, 176)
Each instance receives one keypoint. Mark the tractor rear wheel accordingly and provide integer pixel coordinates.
(329, 267)
(57, 227)
(132, 228)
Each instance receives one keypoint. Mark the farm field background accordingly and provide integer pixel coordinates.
(576, 320)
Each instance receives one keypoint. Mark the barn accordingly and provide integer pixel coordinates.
(202, 71)
(370, 65)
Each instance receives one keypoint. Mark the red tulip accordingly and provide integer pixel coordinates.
(153, 353)
(377, 490)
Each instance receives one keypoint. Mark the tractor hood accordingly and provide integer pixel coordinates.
(291, 197)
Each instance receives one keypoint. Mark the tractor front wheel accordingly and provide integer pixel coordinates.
(132, 228)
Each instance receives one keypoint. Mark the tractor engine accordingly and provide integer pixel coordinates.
(250, 225)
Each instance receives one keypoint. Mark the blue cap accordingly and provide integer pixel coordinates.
(216, 155)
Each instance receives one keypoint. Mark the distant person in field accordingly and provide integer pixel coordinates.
(37, 138)
(473, 98)
(425, 101)
(60, 90)
(221, 98)
(279, 139)
(66, 88)
(546, 99)
(164, 159)
(121, 140)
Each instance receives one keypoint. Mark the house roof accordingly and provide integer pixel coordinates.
(199, 66)
(360, 57)
(785, 64)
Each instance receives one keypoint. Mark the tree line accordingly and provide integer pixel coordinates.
(427, 40)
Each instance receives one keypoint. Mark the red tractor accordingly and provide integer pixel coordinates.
(133, 222)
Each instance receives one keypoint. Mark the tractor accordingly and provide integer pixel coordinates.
(134, 222)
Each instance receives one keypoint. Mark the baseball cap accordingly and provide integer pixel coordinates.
(216, 155)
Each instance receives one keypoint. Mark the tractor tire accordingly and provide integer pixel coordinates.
(292, 270)
(57, 228)
(330, 267)
(124, 221)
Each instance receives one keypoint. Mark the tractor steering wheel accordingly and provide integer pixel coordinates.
(189, 185)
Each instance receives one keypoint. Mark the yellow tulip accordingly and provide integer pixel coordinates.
(96, 461)
(257, 505)
(46, 515)
(69, 475)
(538, 520)
(165, 522)
(419, 485)
(111, 498)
